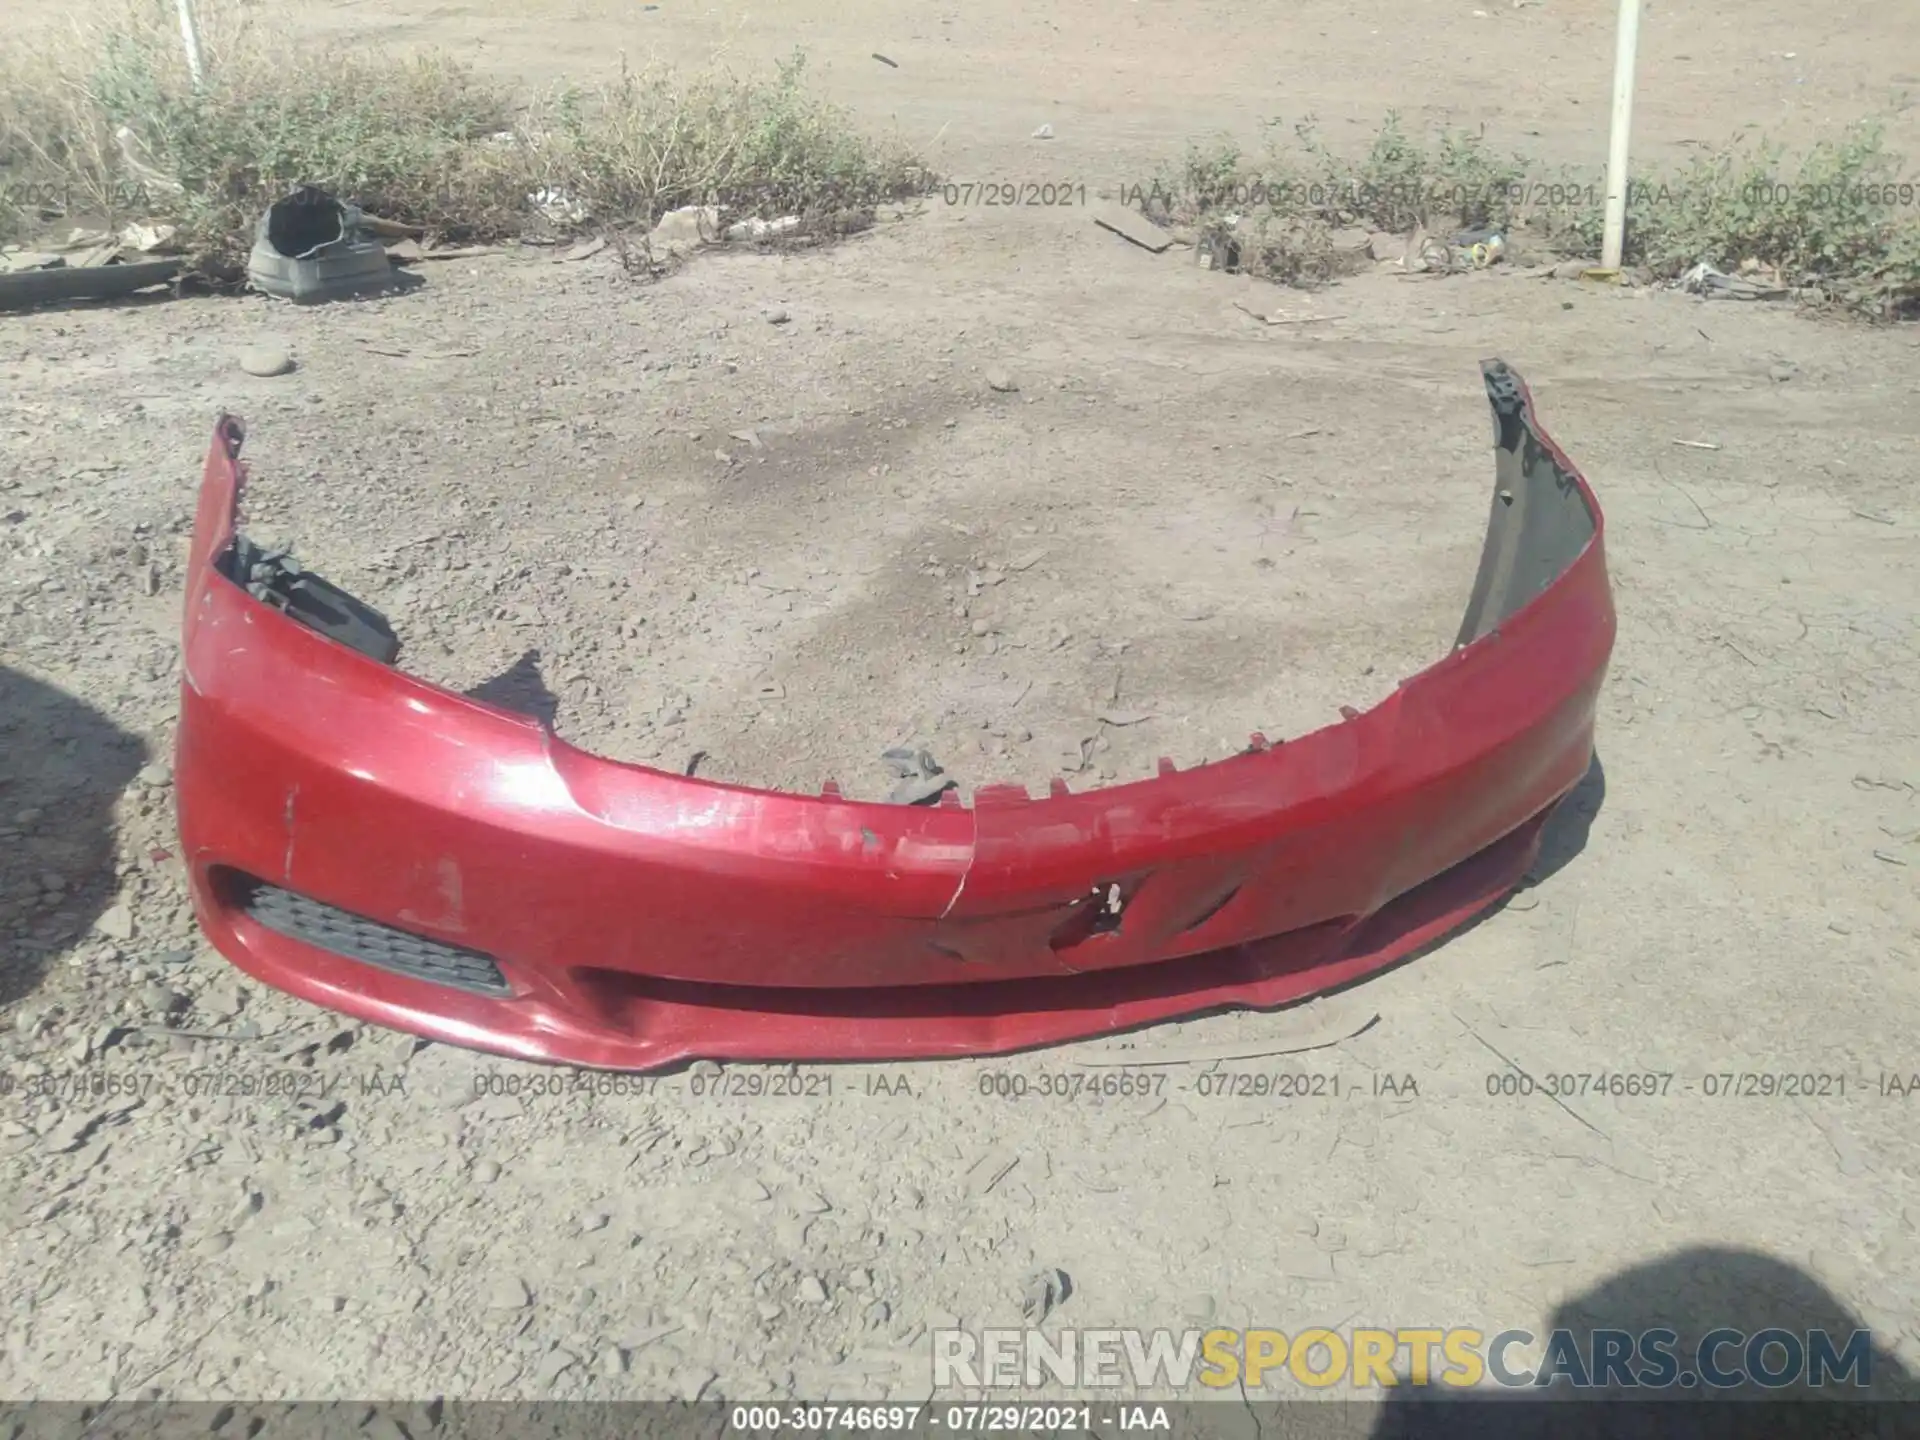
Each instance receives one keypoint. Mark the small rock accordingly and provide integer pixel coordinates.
(116, 923)
(1831, 1266)
(217, 1243)
(1198, 1307)
(908, 762)
(769, 1311)
(613, 1361)
(778, 317)
(486, 1172)
(690, 1385)
(1045, 132)
(598, 1220)
(509, 1293)
(1780, 374)
(1043, 1293)
(792, 1233)
(556, 1364)
(1001, 381)
(812, 1292)
(156, 777)
(104, 1037)
(981, 627)
(266, 361)
(220, 1002)
(879, 1313)
(160, 999)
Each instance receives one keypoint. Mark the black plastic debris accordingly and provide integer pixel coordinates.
(310, 247)
(26, 288)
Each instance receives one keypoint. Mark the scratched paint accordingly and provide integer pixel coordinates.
(286, 865)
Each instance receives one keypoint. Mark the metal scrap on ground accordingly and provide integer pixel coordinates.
(1753, 283)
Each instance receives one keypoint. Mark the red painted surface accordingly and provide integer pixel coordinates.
(644, 918)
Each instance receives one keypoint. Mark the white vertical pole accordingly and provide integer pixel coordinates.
(1626, 46)
(190, 33)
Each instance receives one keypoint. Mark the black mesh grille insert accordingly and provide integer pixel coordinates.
(367, 941)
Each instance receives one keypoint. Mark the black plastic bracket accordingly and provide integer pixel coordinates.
(274, 578)
(1508, 401)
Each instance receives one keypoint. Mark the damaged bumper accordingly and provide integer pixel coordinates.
(419, 859)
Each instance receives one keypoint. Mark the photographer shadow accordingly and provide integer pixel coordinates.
(1692, 1293)
(63, 765)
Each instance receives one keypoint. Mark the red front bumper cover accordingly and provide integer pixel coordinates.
(415, 858)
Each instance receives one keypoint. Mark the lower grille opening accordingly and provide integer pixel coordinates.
(354, 937)
(1418, 921)
(625, 998)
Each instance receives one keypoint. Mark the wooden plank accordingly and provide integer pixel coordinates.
(1132, 225)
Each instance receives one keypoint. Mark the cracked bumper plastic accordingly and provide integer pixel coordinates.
(637, 919)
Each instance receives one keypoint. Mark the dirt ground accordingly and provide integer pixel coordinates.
(1238, 526)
